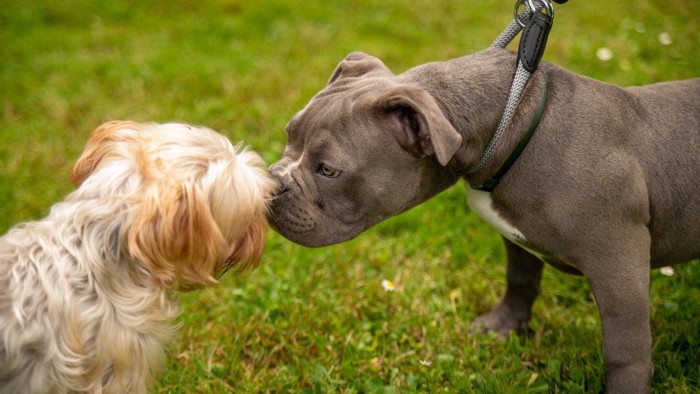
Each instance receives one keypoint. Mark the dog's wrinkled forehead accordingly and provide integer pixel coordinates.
(338, 103)
(357, 79)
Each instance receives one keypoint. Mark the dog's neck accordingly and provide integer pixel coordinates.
(480, 83)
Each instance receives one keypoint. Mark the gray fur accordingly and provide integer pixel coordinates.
(608, 186)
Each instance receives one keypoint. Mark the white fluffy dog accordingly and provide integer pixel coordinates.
(84, 303)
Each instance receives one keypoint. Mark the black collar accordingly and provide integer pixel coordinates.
(491, 183)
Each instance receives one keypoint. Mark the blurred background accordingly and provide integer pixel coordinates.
(318, 320)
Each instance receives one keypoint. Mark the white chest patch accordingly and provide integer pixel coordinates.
(481, 203)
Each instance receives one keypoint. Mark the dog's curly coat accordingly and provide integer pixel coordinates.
(84, 304)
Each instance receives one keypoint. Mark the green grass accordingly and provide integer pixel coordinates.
(318, 320)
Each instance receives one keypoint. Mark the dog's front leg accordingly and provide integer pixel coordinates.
(621, 292)
(522, 288)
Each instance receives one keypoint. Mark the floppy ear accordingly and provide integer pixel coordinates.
(175, 236)
(357, 64)
(247, 252)
(101, 144)
(418, 124)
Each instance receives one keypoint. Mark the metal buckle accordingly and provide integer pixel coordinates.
(530, 7)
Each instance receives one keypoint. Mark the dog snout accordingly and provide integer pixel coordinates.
(278, 174)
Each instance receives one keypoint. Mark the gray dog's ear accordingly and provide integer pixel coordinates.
(357, 64)
(418, 124)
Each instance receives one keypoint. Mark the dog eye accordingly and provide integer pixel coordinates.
(327, 171)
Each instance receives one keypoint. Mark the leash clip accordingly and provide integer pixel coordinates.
(535, 7)
(535, 33)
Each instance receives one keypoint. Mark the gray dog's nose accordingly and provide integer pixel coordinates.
(276, 171)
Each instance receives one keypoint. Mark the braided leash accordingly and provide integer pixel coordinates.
(536, 21)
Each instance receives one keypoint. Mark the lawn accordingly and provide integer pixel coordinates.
(319, 320)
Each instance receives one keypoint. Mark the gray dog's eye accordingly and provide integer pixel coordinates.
(327, 171)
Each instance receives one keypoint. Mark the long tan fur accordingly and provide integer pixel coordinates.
(84, 293)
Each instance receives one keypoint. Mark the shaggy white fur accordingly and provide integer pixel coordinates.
(84, 293)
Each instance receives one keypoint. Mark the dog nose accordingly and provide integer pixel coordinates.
(275, 171)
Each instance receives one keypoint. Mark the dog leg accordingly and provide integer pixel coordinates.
(522, 288)
(622, 297)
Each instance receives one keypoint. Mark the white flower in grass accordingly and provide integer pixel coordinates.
(426, 363)
(665, 38)
(388, 285)
(668, 271)
(604, 54)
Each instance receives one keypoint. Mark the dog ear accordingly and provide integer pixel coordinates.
(418, 124)
(239, 202)
(247, 252)
(101, 144)
(175, 236)
(358, 64)
(188, 232)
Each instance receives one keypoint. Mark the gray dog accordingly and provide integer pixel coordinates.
(608, 186)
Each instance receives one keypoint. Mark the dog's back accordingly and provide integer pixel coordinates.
(54, 331)
(32, 274)
(669, 131)
(21, 298)
(646, 139)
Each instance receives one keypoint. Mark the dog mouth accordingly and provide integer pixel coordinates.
(308, 221)
(291, 219)
(297, 223)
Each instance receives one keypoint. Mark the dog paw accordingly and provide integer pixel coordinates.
(501, 321)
